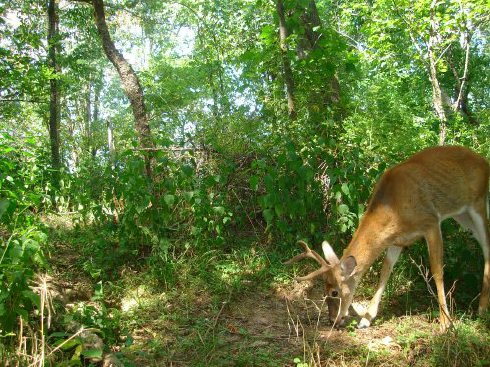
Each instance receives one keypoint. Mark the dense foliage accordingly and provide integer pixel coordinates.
(256, 137)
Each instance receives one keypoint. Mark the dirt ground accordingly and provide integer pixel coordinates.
(294, 320)
(291, 323)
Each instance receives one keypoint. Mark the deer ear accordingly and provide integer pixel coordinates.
(348, 266)
(329, 253)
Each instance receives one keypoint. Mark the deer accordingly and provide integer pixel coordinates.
(408, 203)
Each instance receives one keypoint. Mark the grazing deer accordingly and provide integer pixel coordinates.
(409, 202)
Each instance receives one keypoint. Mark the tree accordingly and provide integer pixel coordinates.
(438, 40)
(311, 38)
(286, 63)
(130, 83)
(54, 100)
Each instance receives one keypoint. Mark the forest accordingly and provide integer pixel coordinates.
(160, 161)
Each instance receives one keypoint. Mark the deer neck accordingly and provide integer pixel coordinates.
(376, 232)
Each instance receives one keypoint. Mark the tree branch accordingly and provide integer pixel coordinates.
(23, 100)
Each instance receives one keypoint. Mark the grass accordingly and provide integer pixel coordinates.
(468, 344)
(240, 307)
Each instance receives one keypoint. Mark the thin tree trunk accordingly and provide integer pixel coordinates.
(130, 83)
(54, 100)
(437, 98)
(462, 87)
(286, 63)
(88, 118)
(95, 117)
(110, 139)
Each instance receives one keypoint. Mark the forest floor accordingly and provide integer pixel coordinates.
(260, 319)
(263, 328)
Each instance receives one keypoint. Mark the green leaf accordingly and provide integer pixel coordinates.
(268, 215)
(188, 195)
(268, 34)
(343, 209)
(360, 210)
(279, 209)
(219, 210)
(70, 343)
(33, 297)
(254, 182)
(129, 341)
(345, 189)
(92, 353)
(169, 200)
(22, 313)
(187, 170)
(4, 204)
(269, 182)
(77, 353)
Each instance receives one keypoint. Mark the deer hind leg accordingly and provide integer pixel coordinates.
(479, 215)
(434, 243)
(391, 257)
(475, 219)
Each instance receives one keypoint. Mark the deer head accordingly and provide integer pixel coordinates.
(338, 276)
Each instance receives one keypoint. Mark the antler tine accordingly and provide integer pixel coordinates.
(324, 266)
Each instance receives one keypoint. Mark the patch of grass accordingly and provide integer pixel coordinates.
(183, 323)
(468, 344)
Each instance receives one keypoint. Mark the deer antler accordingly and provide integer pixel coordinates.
(324, 266)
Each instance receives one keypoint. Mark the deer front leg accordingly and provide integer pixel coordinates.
(434, 243)
(391, 257)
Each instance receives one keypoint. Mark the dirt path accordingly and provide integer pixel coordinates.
(293, 321)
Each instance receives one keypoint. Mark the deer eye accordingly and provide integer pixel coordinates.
(335, 293)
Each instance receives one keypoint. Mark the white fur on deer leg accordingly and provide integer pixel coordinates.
(359, 309)
(365, 323)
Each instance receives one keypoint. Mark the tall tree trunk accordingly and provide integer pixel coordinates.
(286, 63)
(310, 21)
(130, 83)
(329, 94)
(437, 92)
(54, 100)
